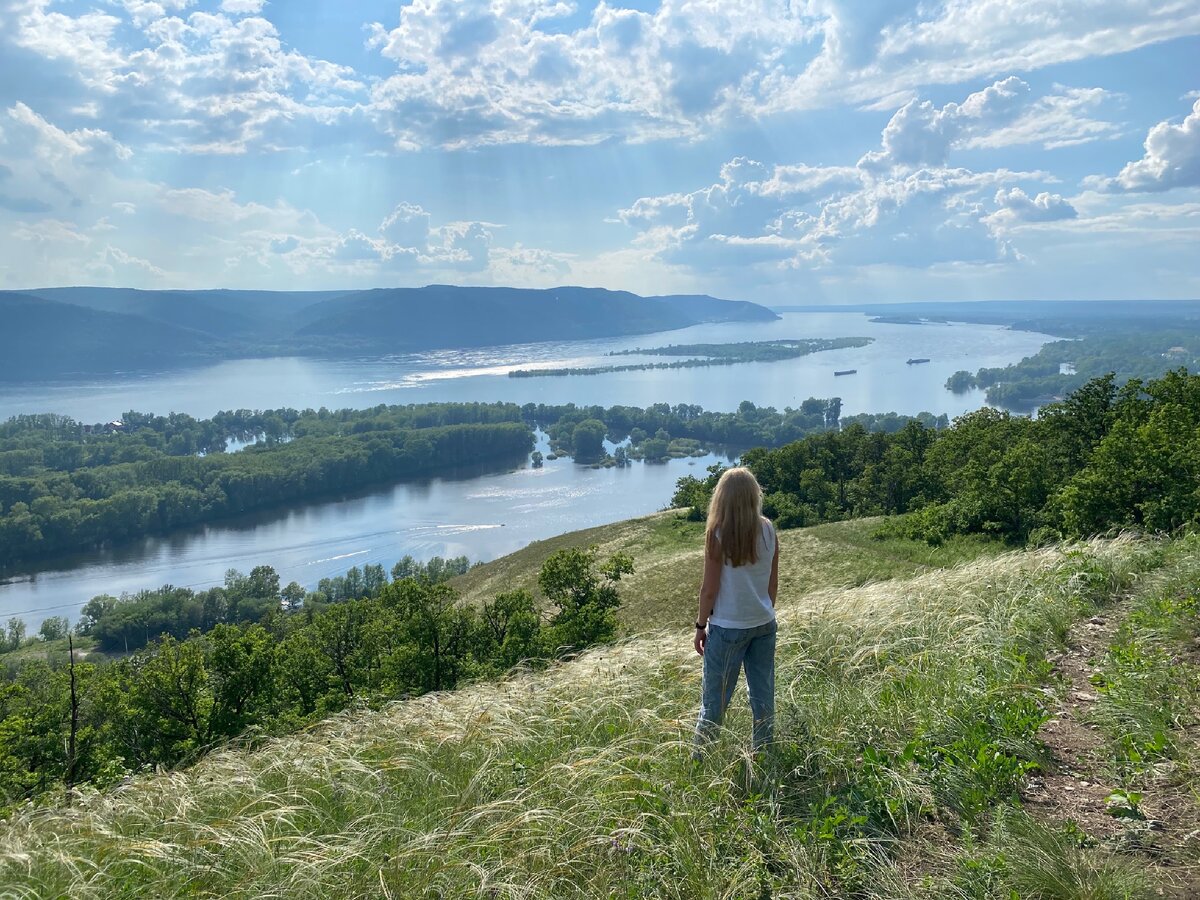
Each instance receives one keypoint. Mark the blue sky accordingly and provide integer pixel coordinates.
(820, 151)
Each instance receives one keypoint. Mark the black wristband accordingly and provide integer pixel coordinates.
(701, 627)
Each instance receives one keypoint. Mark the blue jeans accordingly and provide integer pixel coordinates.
(726, 651)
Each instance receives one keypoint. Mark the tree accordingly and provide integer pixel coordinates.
(514, 626)
(585, 596)
(14, 634)
(54, 628)
(833, 412)
(292, 596)
(170, 700)
(588, 440)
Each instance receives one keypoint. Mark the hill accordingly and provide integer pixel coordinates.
(221, 313)
(932, 744)
(62, 332)
(439, 316)
(46, 339)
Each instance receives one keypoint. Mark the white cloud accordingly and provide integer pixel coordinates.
(964, 40)
(52, 144)
(243, 7)
(202, 82)
(1172, 159)
(50, 231)
(472, 72)
(407, 227)
(1004, 114)
(354, 246)
(1062, 119)
(1015, 206)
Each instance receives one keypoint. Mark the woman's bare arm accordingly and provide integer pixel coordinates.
(773, 584)
(709, 586)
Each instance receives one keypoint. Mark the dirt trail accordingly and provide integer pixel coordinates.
(1080, 775)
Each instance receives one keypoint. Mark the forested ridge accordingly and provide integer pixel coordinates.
(98, 330)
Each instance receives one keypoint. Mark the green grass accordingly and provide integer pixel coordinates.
(668, 558)
(908, 713)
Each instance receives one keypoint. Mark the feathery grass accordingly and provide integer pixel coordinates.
(896, 700)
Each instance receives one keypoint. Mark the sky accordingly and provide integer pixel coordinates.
(828, 151)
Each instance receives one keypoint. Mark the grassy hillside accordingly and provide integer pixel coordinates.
(921, 724)
(667, 553)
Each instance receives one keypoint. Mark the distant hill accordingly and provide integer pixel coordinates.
(1065, 318)
(447, 316)
(47, 339)
(220, 313)
(60, 332)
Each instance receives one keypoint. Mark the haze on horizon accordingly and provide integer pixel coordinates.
(827, 151)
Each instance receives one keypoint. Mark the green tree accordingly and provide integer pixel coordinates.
(54, 628)
(585, 597)
(588, 440)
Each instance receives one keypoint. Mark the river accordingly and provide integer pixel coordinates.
(481, 515)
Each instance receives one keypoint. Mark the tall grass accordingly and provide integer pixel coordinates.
(578, 781)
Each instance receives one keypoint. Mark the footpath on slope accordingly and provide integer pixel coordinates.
(1083, 785)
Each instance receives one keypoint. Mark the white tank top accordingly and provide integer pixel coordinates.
(742, 598)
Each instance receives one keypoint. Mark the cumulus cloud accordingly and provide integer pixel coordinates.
(921, 134)
(472, 72)
(902, 205)
(243, 7)
(477, 72)
(52, 144)
(190, 80)
(1015, 206)
(1172, 159)
(355, 246)
(407, 226)
(1003, 114)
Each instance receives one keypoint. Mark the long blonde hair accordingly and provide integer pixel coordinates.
(735, 512)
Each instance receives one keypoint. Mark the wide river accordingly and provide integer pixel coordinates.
(482, 515)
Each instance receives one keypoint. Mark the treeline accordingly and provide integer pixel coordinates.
(706, 355)
(65, 486)
(65, 489)
(660, 431)
(750, 351)
(1105, 457)
(66, 721)
(1063, 366)
(132, 621)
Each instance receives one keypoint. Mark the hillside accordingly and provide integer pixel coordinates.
(221, 313)
(65, 332)
(438, 316)
(929, 725)
(45, 339)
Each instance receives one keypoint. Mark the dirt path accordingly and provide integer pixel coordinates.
(1080, 775)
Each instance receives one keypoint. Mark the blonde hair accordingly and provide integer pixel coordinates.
(735, 514)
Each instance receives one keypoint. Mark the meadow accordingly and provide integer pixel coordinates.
(924, 694)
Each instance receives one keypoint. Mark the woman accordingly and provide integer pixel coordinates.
(735, 626)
